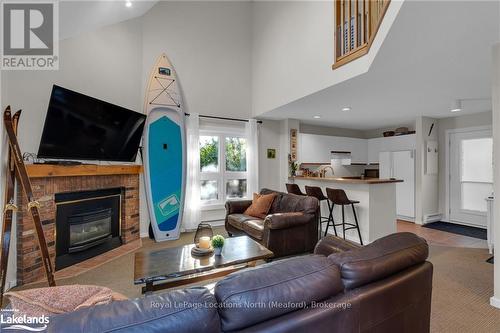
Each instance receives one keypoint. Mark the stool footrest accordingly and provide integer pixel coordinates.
(353, 227)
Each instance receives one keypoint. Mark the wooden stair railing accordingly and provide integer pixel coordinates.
(356, 24)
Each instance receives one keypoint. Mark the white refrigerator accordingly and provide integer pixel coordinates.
(401, 165)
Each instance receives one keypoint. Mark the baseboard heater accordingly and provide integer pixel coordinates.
(429, 218)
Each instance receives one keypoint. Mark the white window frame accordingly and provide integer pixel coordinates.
(222, 176)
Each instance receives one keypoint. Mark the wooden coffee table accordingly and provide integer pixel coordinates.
(173, 267)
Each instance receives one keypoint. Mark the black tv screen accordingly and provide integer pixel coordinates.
(80, 127)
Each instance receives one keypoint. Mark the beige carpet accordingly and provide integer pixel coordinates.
(462, 286)
(119, 273)
(463, 283)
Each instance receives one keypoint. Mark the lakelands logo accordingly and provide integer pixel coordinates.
(30, 35)
(16, 322)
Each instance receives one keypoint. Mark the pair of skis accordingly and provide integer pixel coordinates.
(16, 168)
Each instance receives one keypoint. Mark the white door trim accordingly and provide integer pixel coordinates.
(447, 162)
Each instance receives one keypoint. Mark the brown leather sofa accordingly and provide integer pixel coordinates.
(291, 227)
(385, 286)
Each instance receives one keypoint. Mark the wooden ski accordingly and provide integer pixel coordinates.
(33, 205)
(8, 211)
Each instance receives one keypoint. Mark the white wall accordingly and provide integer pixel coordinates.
(332, 131)
(444, 125)
(285, 126)
(209, 44)
(426, 185)
(269, 169)
(293, 51)
(495, 299)
(104, 64)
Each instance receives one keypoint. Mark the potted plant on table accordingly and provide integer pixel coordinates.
(217, 244)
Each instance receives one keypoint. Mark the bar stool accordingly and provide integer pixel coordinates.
(316, 192)
(294, 189)
(339, 197)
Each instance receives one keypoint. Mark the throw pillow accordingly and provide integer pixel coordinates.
(260, 206)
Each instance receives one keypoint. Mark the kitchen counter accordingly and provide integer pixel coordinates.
(376, 210)
(352, 180)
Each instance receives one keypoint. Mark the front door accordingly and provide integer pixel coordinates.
(471, 176)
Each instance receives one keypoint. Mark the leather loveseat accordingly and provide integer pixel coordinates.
(291, 226)
(385, 286)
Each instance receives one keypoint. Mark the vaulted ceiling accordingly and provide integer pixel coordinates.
(77, 17)
(434, 53)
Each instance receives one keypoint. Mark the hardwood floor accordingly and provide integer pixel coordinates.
(437, 237)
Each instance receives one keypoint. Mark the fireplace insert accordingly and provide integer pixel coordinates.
(87, 224)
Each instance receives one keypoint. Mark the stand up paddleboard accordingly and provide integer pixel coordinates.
(164, 151)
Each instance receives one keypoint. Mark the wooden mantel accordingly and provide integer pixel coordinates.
(48, 170)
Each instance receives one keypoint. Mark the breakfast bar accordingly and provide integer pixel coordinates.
(376, 210)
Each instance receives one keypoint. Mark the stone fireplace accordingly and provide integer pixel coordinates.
(85, 211)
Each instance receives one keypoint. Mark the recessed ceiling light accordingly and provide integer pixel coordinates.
(128, 4)
(346, 109)
(317, 117)
(457, 106)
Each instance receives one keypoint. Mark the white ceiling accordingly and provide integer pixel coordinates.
(76, 17)
(435, 52)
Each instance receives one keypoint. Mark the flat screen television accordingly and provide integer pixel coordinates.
(80, 127)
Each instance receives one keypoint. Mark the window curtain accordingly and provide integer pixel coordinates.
(191, 217)
(252, 135)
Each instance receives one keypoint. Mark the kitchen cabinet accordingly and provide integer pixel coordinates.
(401, 165)
(391, 143)
(317, 148)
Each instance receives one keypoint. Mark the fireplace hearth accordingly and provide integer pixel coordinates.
(87, 224)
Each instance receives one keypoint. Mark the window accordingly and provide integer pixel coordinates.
(476, 173)
(223, 167)
(209, 153)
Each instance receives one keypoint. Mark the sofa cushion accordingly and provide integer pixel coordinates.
(284, 203)
(254, 228)
(261, 204)
(385, 256)
(238, 220)
(271, 290)
(189, 310)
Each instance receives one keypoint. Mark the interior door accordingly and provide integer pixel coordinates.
(404, 168)
(471, 176)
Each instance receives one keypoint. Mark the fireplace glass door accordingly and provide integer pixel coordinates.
(89, 229)
(87, 224)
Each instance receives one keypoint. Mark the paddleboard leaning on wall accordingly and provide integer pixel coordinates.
(164, 151)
